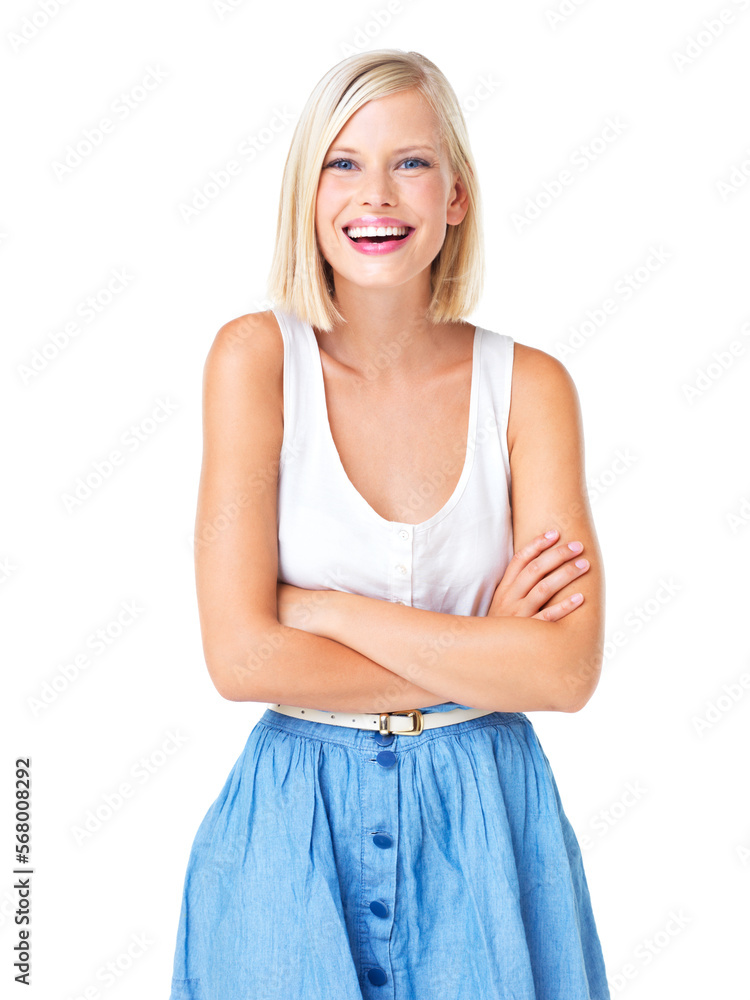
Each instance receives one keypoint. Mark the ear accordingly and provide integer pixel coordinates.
(458, 203)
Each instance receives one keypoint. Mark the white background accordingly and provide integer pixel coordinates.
(658, 803)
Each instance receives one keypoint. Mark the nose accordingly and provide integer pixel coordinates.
(377, 188)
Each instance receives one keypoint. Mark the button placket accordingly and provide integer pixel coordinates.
(380, 814)
(400, 555)
(380, 817)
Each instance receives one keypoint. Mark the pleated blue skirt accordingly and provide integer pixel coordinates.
(336, 863)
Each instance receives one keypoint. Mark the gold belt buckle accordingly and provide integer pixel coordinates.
(415, 715)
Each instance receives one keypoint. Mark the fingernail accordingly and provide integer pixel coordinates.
(575, 546)
(550, 534)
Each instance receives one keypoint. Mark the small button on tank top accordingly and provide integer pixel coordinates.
(329, 537)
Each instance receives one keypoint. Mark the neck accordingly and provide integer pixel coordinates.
(386, 333)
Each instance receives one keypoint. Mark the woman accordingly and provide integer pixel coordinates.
(392, 827)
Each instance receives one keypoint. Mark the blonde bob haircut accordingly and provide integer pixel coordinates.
(301, 280)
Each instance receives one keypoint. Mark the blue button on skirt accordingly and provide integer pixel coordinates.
(441, 869)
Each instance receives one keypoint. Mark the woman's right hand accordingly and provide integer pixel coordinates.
(535, 574)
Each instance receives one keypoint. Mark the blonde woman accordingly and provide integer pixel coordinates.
(392, 827)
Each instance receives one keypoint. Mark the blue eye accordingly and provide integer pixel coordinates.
(411, 159)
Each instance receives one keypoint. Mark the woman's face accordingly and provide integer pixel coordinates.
(387, 163)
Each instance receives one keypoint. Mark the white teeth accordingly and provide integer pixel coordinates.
(355, 231)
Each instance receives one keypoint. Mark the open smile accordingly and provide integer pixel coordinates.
(378, 239)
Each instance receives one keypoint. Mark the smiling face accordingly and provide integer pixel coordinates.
(387, 169)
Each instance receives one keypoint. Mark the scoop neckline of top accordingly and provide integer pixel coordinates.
(457, 493)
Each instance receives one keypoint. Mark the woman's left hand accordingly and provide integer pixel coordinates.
(300, 608)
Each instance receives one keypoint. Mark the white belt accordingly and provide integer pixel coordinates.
(410, 722)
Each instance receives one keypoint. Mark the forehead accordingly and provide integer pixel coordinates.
(406, 113)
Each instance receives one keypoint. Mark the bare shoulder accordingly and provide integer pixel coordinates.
(542, 389)
(245, 364)
(252, 339)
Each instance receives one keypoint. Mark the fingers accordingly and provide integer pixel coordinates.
(558, 611)
(542, 556)
(550, 585)
(536, 574)
(550, 568)
(525, 555)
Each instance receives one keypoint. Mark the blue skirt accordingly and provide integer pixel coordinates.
(338, 863)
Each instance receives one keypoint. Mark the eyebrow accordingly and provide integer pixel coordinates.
(404, 149)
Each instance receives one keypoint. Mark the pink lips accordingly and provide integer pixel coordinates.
(377, 248)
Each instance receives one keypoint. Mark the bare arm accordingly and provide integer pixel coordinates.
(250, 656)
(504, 663)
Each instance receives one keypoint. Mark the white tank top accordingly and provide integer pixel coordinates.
(329, 537)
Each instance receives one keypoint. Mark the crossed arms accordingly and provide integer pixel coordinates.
(265, 641)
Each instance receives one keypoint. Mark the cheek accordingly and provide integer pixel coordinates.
(437, 196)
(326, 193)
(324, 212)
